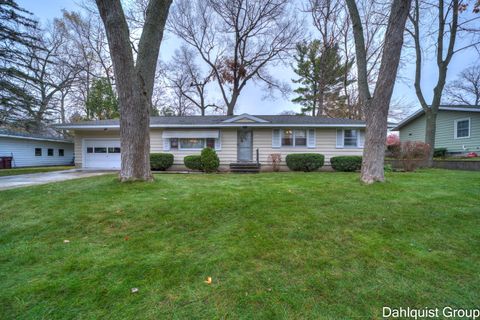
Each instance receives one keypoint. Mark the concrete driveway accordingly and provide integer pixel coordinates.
(23, 180)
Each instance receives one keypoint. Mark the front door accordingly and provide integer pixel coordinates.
(244, 145)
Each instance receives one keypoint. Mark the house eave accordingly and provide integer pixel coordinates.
(229, 125)
(34, 138)
(420, 112)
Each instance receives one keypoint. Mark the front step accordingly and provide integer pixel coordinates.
(245, 167)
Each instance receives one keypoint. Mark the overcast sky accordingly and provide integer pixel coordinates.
(251, 100)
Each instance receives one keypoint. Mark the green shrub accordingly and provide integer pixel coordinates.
(161, 161)
(209, 160)
(304, 161)
(440, 152)
(193, 162)
(346, 163)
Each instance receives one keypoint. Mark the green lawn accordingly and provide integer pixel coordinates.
(277, 246)
(12, 172)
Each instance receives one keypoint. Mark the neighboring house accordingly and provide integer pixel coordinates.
(458, 128)
(28, 150)
(235, 138)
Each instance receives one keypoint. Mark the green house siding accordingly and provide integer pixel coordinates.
(413, 131)
(444, 137)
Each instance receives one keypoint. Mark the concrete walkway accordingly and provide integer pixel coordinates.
(23, 180)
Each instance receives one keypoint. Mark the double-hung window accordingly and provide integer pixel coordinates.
(294, 137)
(350, 138)
(462, 128)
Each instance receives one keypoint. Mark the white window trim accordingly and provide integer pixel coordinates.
(343, 146)
(455, 128)
(293, 137)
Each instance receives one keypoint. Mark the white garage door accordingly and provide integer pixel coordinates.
(104, 154)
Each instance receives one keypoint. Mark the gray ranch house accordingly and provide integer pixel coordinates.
(237, 139)
(458, 128)
(31, 150)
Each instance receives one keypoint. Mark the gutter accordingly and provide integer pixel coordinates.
(34, 138)
(240, 125)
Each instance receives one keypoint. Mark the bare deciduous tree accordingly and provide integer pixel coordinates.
(466, 88)
(446, 16)
(185, 76)
(50, 71)
(88, 46)
(134, 81)
(237, 39)
(377, 105)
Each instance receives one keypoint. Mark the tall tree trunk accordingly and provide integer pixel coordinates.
(321, 95)
(231, 104)
(376, 107)
(430, 132)
(132, 98)
(134, 83)
(442, 64)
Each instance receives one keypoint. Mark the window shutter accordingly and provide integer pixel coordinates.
(166, 144)
(218, 142)
(361, 138)
(276, 140)
(339, 138)
(311, 138)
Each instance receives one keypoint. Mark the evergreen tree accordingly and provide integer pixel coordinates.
(321, 77)
(17, 30)
(101, 101)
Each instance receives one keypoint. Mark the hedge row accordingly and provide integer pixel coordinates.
(208, 161)
(346, 163)
(161, 161)
(304, 161)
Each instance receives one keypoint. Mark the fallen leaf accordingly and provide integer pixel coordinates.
(134, 290)
(127, 238)
(209, 280)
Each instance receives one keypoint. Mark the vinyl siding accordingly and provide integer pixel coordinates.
(227, 154)
(262, 139)
(445, 136)
(414, 131)
(23, 152)
(325, 143)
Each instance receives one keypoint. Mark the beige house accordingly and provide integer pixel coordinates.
(237, 139)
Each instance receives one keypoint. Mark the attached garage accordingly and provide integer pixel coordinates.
(101, 154)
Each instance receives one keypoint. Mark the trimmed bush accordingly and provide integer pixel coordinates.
(209, 160)
(193, 162)
(304, 161)
(346, 163)
(440, 152)
(161, 161)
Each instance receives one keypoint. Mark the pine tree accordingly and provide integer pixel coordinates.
(17, 32)
(101, 102)
(321, 75)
